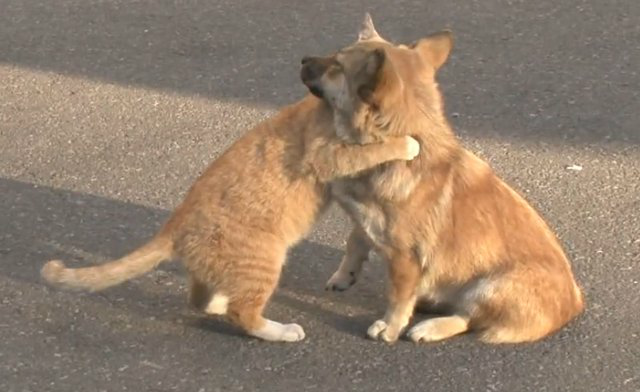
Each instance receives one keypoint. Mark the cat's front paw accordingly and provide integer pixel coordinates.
(412, 148)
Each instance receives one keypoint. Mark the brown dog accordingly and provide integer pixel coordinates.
(455, 236)
(236, 223)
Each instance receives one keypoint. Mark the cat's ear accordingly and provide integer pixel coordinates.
(367, 31)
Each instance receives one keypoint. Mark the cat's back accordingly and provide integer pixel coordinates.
(259, 182)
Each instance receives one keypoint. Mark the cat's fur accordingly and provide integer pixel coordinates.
(234, 227)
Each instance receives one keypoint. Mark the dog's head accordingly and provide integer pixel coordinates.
(366, 82)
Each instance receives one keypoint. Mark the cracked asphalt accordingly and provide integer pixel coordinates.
(109, 109)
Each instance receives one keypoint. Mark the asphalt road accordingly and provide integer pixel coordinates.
(109, 109)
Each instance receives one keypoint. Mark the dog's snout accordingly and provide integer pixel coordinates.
(311, 72)
(312, 68)
(308, 60)
(307, 74)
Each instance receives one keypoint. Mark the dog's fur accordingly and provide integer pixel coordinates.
(457, 239)
(239, 218)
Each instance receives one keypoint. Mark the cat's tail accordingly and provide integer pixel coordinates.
(100, 277)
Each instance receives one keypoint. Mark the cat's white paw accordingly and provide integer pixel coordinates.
(413, 148)
(275, 332)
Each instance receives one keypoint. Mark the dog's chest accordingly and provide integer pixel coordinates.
(355, 196)
(370, 198)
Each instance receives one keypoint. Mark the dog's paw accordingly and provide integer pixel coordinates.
(423, 332)
(341, 281)
(376, 329)
(413, 148)
(438, 328)
(380, 330)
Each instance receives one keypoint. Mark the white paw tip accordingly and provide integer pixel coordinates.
(413, 147)
(275, 332)
(420, 333)
(376, 329)
(293, 333)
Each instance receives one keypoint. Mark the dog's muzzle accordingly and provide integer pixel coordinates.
(311, 72)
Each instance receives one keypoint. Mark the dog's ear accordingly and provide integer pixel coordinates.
(435, 48)
(377, 78)
(367, 31)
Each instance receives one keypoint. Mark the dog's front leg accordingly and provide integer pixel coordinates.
(404, 275)
(357, 253)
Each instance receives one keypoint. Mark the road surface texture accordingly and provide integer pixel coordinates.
(109, 109)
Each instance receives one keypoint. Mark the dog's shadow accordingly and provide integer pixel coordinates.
(40, 223)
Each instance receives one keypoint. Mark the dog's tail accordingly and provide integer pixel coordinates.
(100, 277)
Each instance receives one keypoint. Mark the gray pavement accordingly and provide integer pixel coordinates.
(109, 109)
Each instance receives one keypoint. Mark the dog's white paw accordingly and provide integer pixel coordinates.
(423, 332)
(438, 328)
(341, 281)
(413, 148)
(380, 330)
(376, 329)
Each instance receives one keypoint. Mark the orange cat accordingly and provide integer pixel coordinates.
(236, 223)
